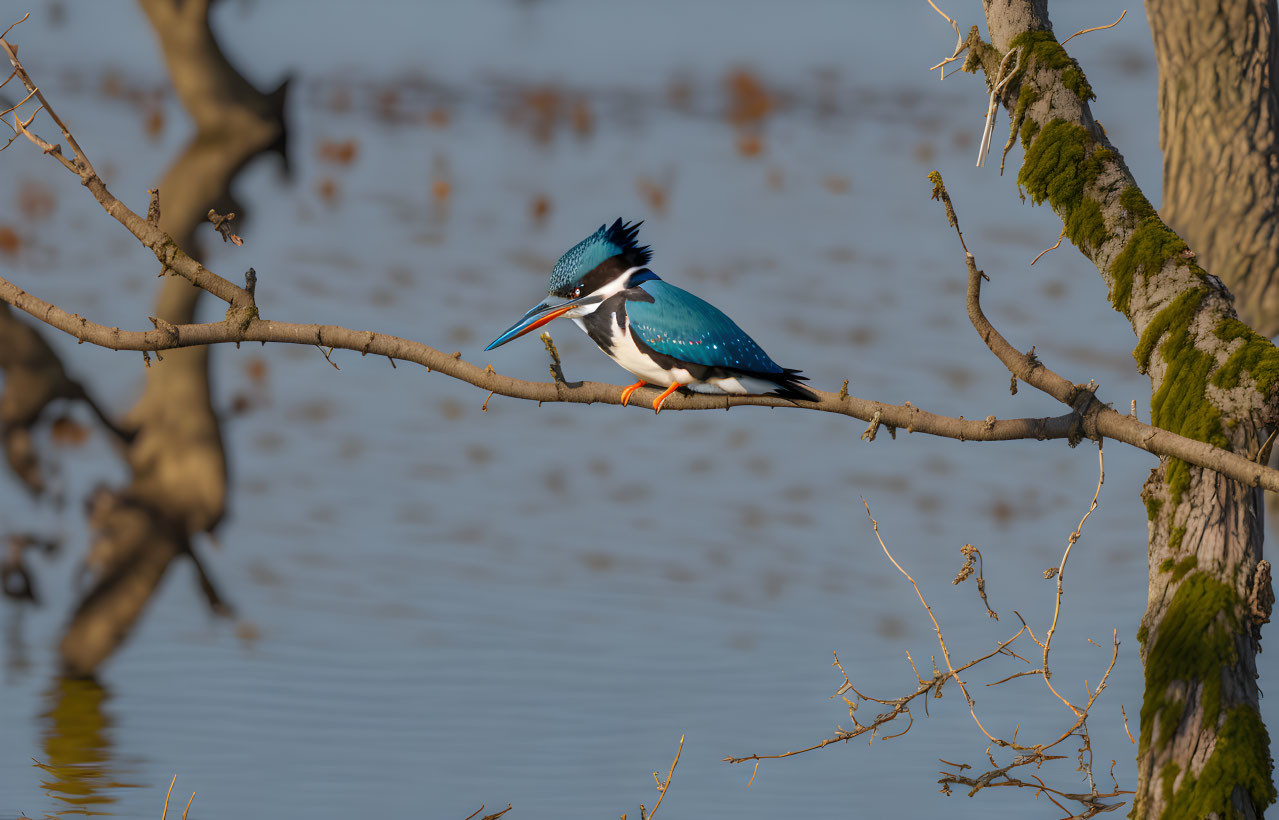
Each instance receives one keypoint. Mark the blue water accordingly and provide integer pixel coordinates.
(440, 607)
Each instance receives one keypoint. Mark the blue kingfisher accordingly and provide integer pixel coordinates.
(665, 336)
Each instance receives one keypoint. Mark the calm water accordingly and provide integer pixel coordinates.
(441, 607)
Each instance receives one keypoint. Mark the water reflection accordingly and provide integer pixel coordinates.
(78, 765)
(17, 660)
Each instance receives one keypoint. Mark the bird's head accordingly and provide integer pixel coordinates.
(602, 264)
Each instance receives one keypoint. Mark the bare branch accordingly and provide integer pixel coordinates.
(160, 243)
(1095, 28)
(960, 48)
(222, 224)
(945, 651)
(969, 551)
(1099, 420)
(900, 705)
(1061, 571)
(662, 786)
(488, 816)
(1057, 245)
(1089, 417)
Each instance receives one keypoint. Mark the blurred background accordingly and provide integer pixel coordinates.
(436, 606)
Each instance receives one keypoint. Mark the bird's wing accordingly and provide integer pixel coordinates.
(678, 324)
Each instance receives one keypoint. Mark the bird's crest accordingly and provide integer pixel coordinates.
(615, 240)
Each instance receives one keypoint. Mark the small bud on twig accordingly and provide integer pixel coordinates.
(222, 224)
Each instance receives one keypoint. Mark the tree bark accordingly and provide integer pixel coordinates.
(1203, 749)
(1219, 131)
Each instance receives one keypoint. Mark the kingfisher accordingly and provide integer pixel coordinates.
(664, 335)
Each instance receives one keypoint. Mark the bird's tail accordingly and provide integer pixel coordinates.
(790, 385)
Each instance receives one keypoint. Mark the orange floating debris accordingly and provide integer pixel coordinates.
(750, 144)
(338, 153)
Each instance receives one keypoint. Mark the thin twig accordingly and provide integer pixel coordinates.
(1061, 571)
(900, 705)
(165, 813)
(1060, 237)
(243, 324)
(160, 243)
(1097, 28)
(960, 48)
(936, 628)
(30, 94)
(662, 786)
(10, 28)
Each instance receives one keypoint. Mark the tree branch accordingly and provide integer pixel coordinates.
(157, 241)
(1088, 417)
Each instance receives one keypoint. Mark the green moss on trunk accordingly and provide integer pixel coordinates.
(1151, 245)
(1181, 404)
(1135, 204)
(1240, 760)
(1086, 227)
(1061, 162)
(1029, 129)
(1179, 568)
(1169, 776)
(1256, 356)
(981, 55)
(1195, 644)
(1044, 50)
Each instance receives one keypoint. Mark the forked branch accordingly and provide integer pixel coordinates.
(1024, 754)
(1087, 418)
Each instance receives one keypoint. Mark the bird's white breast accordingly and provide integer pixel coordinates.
(626, 353)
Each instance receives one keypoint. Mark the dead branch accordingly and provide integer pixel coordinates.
(662, 785)
(945, 650)
(1061, 571)
(900, 705)
(969, 551)
(1034, 754)
(1091, 418)
(1057, 245)
(168, 794)
(1095, 28)
(960, 48)
(243, 325)
(161, 244)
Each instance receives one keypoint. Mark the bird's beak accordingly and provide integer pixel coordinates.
(537, 317)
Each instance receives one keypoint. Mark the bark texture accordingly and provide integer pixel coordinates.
(1203, 750)
(179, 472)
(1218, 115)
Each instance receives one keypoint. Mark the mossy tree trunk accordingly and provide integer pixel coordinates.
(1203, 749)
(1219, 131)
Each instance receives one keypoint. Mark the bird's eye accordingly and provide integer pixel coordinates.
(577, 291)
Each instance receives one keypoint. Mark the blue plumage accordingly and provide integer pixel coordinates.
(684, 327)
(615, 240)
(664, 335)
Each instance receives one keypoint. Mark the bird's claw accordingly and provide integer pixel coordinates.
(660, 400)
(626, 393)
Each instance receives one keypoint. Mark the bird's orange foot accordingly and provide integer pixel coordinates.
(626, 394)
(657, 402)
